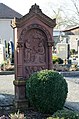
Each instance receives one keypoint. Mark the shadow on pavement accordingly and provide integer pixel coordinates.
(72, 106)
(6, 104)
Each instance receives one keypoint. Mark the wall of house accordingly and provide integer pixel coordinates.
(6, 31)
(73, 36)
(56, 36)
(74, 42)
(75, 31)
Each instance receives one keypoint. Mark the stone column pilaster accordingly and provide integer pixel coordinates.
(19, 82)
(50, 63)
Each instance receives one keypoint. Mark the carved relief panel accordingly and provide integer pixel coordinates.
(35, 51)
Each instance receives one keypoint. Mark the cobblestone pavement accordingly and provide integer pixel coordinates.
(73, 93)
(6, 84)
(7, 93)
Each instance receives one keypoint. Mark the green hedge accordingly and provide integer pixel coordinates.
(47, 91)
(65, 114)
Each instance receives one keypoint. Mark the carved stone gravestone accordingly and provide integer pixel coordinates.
(33, 36)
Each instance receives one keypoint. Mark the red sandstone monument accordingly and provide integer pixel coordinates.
(33, 39)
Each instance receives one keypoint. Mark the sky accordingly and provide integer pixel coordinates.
(47, 6)
(23, 6)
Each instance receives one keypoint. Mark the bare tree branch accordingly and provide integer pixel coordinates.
(75, 4)
(65, 15)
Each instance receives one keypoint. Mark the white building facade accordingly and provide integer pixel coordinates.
(6, 15)
(6, 32)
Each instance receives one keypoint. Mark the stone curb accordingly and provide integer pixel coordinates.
(70, 107)
(70, 74)
(6, 72)
(66, 74)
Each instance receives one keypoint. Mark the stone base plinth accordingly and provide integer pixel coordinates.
(20, 101)
(21, 104)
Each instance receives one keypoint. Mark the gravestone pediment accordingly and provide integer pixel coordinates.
(36, 12)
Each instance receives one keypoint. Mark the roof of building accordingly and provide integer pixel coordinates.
(70, 28)
(8, 13)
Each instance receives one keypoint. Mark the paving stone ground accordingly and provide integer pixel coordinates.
(73, 93)
(6, 93)
(6, 84)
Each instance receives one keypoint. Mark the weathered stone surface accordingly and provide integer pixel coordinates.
(33, 48)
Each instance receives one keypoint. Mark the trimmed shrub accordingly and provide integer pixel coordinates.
(46, 91)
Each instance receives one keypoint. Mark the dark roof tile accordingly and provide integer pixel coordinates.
(8, 13)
